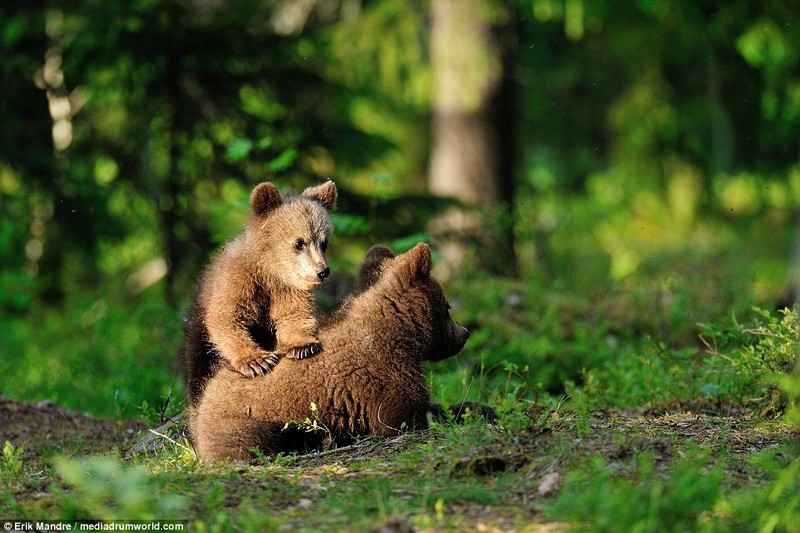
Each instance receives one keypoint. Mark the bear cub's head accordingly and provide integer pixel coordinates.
(290, 234)
(415, 296)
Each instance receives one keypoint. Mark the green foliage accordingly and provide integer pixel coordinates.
(11, 462)
(101, 355)
(346, 225)
(684, 499)
(161, 124)
(749, 361)
(102, 489)
(777, 506)
(772, 507)
(168, 407)
(526, 342)
(790, 385)
(530, 343)
(239, 149)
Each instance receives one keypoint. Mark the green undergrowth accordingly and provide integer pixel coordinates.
(531, 343)
(104, 355)
(691, 495)
(548, 467)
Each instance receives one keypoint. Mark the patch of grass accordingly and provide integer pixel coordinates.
(691, 495)
(597, 499)
(103, 355)
(101, 488)
(774, 507)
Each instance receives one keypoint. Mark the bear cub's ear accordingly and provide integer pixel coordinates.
(375, 262)
(325, 194)
(418, 261)
(264, 199)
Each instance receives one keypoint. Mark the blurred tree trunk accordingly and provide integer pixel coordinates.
(793, 298)
(169, 203)
(473, 45)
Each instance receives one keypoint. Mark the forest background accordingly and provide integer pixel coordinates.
(612, 188)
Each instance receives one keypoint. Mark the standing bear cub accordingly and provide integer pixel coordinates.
(254, 303)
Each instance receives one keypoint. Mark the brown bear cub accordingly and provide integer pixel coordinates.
(369, 379)
(254, 303)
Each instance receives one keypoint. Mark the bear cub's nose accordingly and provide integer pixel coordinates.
(324, 273)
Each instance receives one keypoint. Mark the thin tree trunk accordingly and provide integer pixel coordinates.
(171, 191)
(794, 262)
(473, 135)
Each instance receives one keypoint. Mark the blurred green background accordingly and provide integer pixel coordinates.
(632, 168)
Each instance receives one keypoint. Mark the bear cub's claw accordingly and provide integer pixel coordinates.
(303, 352)
(258, 366)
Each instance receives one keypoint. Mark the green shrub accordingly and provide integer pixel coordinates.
(748, 362)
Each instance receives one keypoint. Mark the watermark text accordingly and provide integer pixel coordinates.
(15, 526)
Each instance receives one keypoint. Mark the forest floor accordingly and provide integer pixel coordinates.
(477, 477)
(40, 426)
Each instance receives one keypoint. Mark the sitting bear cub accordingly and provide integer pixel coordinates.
(367, 380)
(253, 303)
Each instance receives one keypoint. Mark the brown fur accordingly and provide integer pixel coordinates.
(368, 380)
(253, 303)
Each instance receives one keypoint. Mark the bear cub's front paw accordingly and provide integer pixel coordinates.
(258, 366)
(303, 352)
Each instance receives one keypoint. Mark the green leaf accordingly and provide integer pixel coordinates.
(350, 225)
(283, 161)
(264, 142)
(765, 45)
(239, 149)
(13, 31)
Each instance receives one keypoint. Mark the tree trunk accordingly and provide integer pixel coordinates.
(794, 263)
(472, 49)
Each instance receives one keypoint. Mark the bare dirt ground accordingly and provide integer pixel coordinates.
(41, 426)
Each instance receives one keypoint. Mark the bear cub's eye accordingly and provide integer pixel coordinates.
(299, 244)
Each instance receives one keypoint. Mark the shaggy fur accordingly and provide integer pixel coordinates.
(368, 380)
(254, 301)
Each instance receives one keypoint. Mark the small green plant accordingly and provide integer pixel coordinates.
(155, 415)
(11, 464)
(308, 425)
(316, 431)
(148, 413)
